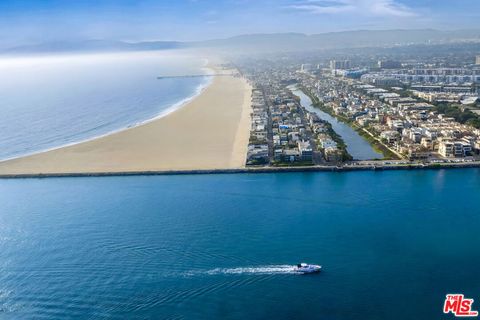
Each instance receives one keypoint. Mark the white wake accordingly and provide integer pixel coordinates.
(271, 269)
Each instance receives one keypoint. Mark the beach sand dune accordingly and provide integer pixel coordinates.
(209, 132)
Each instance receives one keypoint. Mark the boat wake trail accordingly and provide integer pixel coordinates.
(260, 270)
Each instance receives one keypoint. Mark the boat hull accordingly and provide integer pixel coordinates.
(308, 269)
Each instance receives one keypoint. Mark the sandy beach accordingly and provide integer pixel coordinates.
(209, 132)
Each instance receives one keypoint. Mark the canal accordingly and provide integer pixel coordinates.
(357, 146)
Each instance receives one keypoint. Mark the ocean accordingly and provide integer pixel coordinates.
(392, 244)
(52, 101)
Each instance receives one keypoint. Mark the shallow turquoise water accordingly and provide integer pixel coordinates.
(392, 244)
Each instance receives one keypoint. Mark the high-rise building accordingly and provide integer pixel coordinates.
(477, 60)
(339, 64)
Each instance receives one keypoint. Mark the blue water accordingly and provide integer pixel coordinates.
(392, 244)
(357, 147)
(51, 101)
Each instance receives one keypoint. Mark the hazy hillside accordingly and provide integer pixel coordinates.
(335, 40)
(271, 42)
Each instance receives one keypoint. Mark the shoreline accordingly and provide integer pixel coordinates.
(208, 130)
(248, 170)
(172, 108)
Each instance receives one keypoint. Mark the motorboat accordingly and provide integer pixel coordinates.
(307, 268)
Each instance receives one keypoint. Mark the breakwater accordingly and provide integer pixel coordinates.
(328, 168)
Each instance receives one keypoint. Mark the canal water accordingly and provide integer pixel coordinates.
(357, 146)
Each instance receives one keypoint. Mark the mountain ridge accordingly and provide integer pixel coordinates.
(266, 42)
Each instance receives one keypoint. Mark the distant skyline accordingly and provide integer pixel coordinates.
(34, 21)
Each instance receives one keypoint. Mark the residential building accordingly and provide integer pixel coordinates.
(306, 151)
(389, 64)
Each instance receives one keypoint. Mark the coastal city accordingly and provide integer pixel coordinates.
(239, 159)
(410, 111)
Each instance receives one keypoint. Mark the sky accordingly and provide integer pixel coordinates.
(38, 21)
